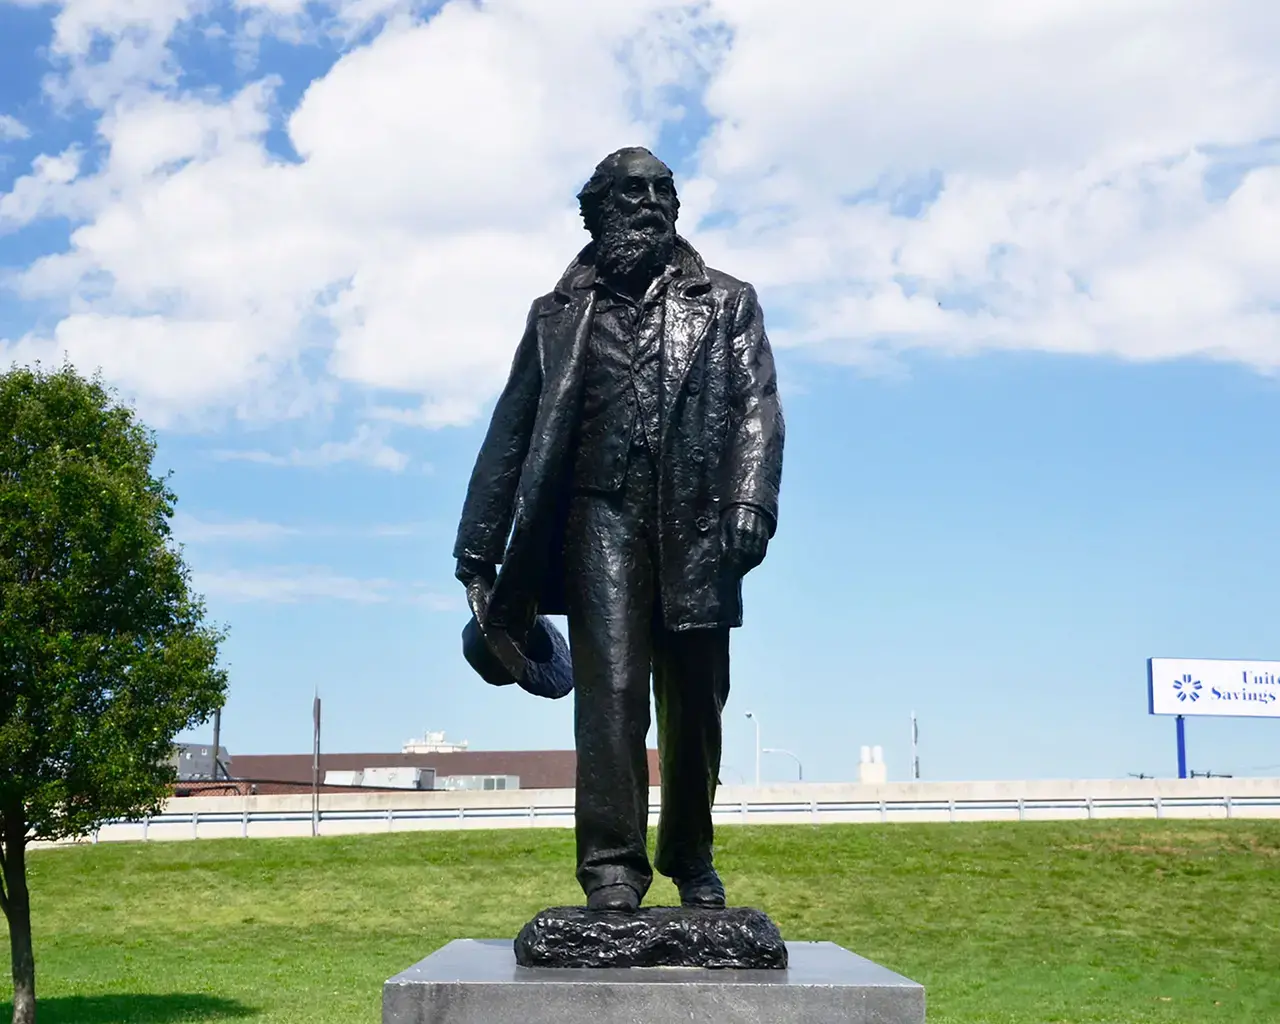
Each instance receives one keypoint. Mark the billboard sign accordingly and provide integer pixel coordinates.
(1209, 686)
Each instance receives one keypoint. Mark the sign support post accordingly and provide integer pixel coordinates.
(1220, 687)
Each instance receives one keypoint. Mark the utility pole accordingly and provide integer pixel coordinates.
(752, 715)
(915, 748)
(217, 739)
(315, 767)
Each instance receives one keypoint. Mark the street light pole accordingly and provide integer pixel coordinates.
(752, 715)
(799, 766)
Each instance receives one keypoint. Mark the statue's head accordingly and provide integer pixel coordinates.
(630, 206)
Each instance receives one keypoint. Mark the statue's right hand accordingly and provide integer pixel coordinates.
(474, 570)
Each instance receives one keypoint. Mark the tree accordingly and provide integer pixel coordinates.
(104, 654)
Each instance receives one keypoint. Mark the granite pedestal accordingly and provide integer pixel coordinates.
(473, 981)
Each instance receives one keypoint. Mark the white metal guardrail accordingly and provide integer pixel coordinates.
(205, 823)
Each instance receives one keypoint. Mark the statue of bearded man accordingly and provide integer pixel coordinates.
(629, 480)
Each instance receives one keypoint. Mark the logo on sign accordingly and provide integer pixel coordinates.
(1188, 689)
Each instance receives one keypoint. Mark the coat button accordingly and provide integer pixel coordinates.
(697, 454)
(694, 387)
(703, 523)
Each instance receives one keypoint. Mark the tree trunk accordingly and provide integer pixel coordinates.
(17, 908)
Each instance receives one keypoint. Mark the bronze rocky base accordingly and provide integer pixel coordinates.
(737, 937)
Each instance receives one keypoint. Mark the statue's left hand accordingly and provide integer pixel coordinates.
(745, 537)
(471, 570)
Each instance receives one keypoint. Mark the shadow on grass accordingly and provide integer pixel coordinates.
(142, 1008)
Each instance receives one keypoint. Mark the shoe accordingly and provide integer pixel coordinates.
(703, 889)
(620, 897)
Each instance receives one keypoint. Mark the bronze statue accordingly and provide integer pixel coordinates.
(629, 480)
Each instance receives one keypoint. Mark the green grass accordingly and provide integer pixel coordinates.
(1124, 922)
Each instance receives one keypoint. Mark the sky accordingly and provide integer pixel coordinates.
(1019, 262)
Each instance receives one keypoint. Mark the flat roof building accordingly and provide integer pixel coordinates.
(535, 769)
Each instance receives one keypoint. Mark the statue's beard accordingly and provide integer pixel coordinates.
(629, 247)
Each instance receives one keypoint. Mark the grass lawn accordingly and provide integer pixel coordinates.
(1123, 921)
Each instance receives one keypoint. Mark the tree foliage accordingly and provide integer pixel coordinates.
(104, 653)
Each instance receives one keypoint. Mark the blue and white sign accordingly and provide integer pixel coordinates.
(1207, 686)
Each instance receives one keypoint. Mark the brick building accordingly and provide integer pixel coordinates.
(291, 773)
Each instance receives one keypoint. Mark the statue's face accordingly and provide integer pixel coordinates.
(638, 224)
(643, 192)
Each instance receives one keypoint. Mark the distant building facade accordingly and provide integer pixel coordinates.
(432, 743)
(194, 762)
(455, 769)
(872, 770)
(479, 782)
(402, 777)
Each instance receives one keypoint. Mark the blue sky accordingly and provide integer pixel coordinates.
(1021, 266)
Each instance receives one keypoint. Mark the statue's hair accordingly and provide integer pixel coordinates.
(591, 200)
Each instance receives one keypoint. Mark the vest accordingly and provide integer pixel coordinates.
(621, 395)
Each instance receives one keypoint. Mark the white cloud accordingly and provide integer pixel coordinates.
(294, 584)
(79, 24)
(281, 8)
(193, 529)
(991, 86)
(367, 447)
(432, 599)
(105, 49)
(11, 129)
(179, 364)
(433, 202)
(1060, 148)
(343, 20)
(290, 585)
(1069, 138)
(398, 529)
(42, 193)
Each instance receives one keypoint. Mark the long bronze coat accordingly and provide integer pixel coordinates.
(721, 446)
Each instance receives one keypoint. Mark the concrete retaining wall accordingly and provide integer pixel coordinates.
(794, 803)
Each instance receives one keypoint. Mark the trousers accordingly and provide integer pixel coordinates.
(618, 643)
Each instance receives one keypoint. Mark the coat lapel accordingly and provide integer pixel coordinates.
(567, 321)
(687, 318)
(564, 333)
